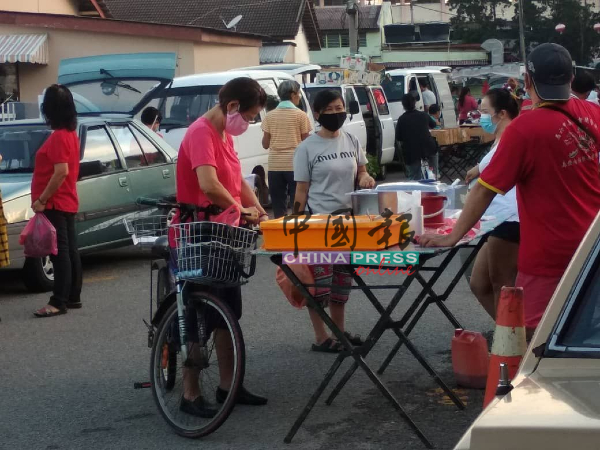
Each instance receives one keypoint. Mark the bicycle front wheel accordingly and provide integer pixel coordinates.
(168, 388)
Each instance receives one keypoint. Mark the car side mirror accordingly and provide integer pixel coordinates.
(353, 108)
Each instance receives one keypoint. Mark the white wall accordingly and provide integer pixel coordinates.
(301, 52)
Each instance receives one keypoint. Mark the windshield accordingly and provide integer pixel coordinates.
(119, 96)
(393, 88)
(311, 93)
(19, 145)
(180, 107)
(579, 331)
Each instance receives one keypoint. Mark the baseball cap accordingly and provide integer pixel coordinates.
(551, 69)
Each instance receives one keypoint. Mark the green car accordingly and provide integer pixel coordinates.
(121, 159)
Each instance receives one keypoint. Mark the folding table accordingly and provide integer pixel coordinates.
(402, 328)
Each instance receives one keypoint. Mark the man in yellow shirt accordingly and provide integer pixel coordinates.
(284, 128)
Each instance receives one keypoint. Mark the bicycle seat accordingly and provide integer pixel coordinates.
(160, 248)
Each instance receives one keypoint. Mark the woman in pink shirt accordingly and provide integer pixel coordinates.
(209, 173)
(466, 104)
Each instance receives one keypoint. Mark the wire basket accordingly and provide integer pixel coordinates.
(210, 252)
(145, 228)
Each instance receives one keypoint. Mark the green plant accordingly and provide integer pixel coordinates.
(373, 166)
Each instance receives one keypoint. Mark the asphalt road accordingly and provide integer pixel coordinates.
(67, 382)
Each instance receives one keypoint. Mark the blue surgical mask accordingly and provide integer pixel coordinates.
(486, 123)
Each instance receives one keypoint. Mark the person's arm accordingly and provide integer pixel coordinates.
(399, 129)
(472, 174)
(302, 174)
(266, 140)
(432, 122)
(249, 200)
(303, 136)
(363, 178)
(301, 196)
(61, 171)
(218, 195)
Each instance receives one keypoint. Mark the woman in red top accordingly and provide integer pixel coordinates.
(209, 172)
(54, 192)
(466, 104)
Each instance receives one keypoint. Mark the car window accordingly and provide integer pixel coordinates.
(394, 88)
(578, 329)
(129, 146)
(99, 151)
(153, 155)
(382, 105)
(19, 145)
(180, 107)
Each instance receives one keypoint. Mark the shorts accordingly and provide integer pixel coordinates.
(507, 231)
(231, 296)
(537, 293)
(334, 276)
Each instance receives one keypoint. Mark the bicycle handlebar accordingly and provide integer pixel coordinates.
(166, 204)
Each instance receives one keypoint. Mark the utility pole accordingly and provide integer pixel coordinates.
(352, 11)
(412, 12)
(522, 31)
(583, 26)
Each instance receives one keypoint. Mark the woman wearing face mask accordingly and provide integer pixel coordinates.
(496, 263)
(326, 167)
(209, 172)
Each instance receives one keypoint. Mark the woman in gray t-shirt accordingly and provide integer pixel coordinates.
(326, 167)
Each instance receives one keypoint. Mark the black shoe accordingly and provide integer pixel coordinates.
(74, 305)
(243, 398)
(198, 407)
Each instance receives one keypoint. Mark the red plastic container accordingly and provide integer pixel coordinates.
(470, 359)
(433, 209)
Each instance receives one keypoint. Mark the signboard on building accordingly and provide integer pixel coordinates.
(355, 62)
(336, 77)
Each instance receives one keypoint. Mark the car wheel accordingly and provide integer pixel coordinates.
(382, 175)
(38, 274)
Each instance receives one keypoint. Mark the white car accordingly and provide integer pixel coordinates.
(189, 97)
(398, 82)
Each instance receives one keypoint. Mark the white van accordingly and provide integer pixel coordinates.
(403, 81)
(369, 118)
(189, 97)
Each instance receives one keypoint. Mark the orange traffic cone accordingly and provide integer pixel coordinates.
(509, 343)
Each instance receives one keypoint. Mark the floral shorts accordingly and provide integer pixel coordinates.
(334, 276)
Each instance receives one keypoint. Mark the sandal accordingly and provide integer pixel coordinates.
(328, 346)
(47, 312)
(355, 340)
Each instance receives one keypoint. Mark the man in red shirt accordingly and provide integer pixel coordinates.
(551, 155)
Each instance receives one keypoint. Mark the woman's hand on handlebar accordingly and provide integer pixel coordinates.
(250, 214)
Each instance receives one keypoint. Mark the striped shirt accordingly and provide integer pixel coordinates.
(286, 127)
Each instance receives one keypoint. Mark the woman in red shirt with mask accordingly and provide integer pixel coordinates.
(54, 192)
(209, 172)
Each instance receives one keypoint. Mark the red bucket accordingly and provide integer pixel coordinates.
(433, 209)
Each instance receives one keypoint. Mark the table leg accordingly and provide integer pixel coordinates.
(357, 357)
(315, 397)
(373, 336)
(416, 303)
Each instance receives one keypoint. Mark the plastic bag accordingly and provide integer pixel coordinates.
(427, 170)
(39, 237)
(291, 292)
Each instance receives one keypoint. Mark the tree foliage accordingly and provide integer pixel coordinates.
(478, 20)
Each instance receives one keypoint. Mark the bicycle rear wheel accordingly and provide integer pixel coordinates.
(168, 390)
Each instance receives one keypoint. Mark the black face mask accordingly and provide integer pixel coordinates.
(332, 122)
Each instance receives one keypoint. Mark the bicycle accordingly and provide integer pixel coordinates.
(205, 254)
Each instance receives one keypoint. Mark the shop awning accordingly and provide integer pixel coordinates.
(273, 53)
(25, 48)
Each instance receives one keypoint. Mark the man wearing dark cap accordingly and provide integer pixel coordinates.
(551, 155)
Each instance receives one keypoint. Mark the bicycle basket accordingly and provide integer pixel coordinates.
(214, 252)
(145, 228)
